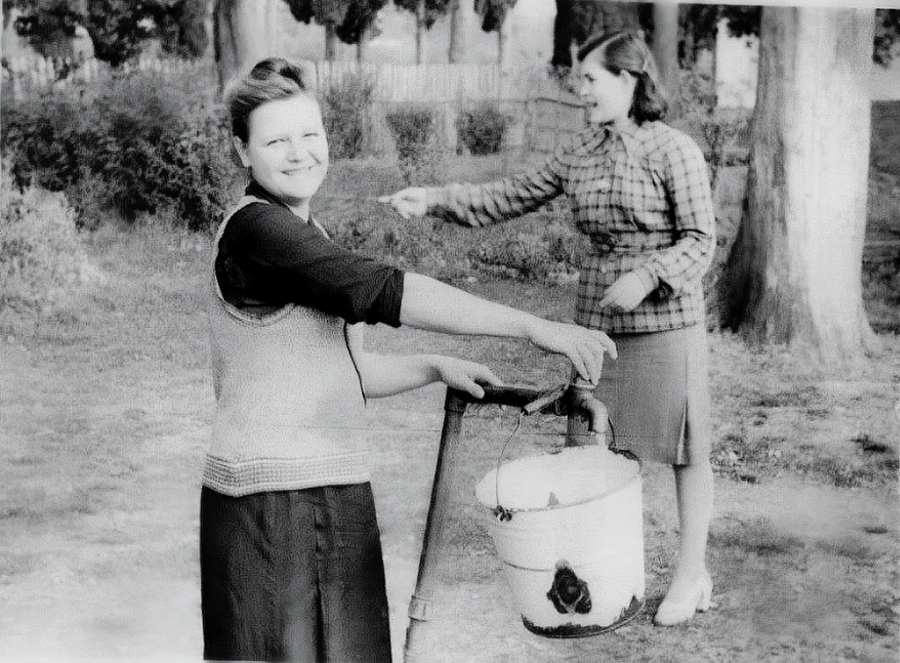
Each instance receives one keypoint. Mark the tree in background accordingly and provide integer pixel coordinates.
(456, 48)
(887, 35)
(119, 29)
(426, 13)
(347, 20)
(793, 275)
(359, 24)
(664, 46)
(493, 19)
(239, 36)
(699, 26)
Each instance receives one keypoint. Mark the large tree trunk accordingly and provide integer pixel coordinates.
(794, 273)
(239, 29)
(665, 49)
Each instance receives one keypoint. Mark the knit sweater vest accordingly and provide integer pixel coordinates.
(290, 411)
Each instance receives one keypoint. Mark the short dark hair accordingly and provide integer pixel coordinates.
(271, 79)
(628, 51)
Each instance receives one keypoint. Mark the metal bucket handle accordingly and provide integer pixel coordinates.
(581, 398)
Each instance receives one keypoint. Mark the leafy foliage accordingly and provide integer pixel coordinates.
(412, 127)
(887, 35)
(140, 144)
(481, 129)
(118, 28)
(432, 10)
(47, 28)
(345, 107)
(41, 260)
(493, 13)
(350, 18)
(577, 20)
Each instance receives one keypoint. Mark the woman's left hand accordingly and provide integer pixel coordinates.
(464, 375)
(625, 294)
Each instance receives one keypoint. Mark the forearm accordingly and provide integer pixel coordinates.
(388, 375)
(435, 306)
(483, 204)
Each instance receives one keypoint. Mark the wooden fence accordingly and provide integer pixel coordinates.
(539, 111)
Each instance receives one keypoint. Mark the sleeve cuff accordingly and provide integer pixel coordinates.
(648, 279)
(435, 197)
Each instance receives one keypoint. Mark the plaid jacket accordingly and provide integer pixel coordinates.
(641, 196)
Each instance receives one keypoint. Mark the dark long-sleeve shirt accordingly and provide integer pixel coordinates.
(268, 257)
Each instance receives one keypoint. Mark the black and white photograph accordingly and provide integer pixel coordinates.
(438, 331)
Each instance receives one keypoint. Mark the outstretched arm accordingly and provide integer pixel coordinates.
(482, 204)
(435, 306)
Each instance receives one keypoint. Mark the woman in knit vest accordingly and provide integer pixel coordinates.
(291, 565)
(640, 193)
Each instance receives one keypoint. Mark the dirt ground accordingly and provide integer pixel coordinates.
(104, 418)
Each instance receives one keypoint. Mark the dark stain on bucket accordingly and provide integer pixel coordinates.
(569, 593)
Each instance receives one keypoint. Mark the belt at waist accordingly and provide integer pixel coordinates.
(612, 250)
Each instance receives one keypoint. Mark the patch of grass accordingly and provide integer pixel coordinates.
(850, 547)
(803, 396)
(746, 458)
(837, 471)
(756, 536)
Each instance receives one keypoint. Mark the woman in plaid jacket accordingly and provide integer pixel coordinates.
(640, 192)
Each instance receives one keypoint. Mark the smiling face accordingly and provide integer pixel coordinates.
(608, 96)
(287, 150)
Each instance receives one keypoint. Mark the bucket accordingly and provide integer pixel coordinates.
(568, 529)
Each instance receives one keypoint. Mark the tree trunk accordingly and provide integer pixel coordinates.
(665, 50)
(563, 31)
(794, 273)
(457, 49)
(420, 32)
(502, 46)
(361, 48)
(331, 41)
(239, 30)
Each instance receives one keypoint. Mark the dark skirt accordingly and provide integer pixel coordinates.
(657, 394)
(293, 576)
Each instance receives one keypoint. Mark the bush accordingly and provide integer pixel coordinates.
(345, 108)
(42, 261)
(723, 135)
(413, 128)
(549, 255)
(481, 129)
(140, 143)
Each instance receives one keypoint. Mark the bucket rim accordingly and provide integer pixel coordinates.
(500, 509)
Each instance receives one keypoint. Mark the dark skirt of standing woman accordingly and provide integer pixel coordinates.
(657, 394)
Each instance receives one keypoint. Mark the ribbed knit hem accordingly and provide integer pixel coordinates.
(237, 478)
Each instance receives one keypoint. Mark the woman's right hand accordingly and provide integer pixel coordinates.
(584, 347)
(408, 202)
